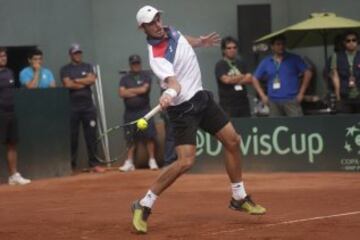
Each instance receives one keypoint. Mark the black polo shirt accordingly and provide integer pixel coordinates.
(132, 80)
(228, 93)
(7, 86)
(81, 99)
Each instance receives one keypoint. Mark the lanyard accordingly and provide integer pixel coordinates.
(277, 73)
(277, 67)
(230, 64)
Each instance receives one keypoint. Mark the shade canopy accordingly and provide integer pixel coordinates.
(318, 30)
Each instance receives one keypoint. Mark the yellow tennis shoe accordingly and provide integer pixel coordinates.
(247, 205)
(140, 216)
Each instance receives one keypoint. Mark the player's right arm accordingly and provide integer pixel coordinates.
(173, 89)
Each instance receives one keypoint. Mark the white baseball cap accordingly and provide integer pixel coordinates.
(146, 14)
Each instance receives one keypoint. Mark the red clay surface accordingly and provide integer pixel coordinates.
(91, 206)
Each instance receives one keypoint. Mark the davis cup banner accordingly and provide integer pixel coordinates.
(311, 143)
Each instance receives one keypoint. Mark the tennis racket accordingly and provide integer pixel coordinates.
(110, 145)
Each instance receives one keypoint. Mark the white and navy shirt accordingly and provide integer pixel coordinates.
(174, 57)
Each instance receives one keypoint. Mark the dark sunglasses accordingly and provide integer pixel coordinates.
(231, 48)
(351, 40)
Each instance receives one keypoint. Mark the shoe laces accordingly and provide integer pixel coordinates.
(249, 200)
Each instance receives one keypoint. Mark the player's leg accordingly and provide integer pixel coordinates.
(186, 158)
(142, 209)
(240, 200)
(216, 122)
(185, 124)
(231, 142)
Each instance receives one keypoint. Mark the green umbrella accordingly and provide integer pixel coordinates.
(318, 30)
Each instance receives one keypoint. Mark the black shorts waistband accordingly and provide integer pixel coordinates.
(199, 98)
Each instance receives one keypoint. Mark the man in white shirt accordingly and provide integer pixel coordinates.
(174, 62)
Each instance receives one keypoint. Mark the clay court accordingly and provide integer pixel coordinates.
(92, 206)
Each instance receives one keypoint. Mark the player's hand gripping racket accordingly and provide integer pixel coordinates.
(117, 133)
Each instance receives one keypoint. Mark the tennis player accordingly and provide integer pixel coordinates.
(190, 107)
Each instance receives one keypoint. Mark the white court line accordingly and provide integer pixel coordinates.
(287, 222)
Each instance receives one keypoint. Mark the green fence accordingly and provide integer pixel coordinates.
(44, 133)
(313, 143)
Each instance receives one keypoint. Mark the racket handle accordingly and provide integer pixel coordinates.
(154, 111)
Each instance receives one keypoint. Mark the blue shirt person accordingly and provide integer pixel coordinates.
(36, 76)
(282, 72)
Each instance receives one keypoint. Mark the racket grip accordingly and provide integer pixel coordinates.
(154, 111)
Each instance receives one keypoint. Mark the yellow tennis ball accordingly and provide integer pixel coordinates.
(142, 124)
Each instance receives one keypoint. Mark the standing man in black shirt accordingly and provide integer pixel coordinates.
(8, 123)
(78, 77)
(135, 90)
(231, 78)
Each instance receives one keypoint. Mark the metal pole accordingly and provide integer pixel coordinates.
(103, 114)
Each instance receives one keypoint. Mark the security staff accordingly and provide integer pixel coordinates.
(78, 77)
(135, 90)
(345, 66)
(8, 123)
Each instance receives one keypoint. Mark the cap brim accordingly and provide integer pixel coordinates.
(77, 51)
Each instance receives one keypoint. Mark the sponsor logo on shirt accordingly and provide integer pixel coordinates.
(83, 73)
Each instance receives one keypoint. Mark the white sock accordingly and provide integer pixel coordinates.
(152, 159)
(238, 190)
(149, 199)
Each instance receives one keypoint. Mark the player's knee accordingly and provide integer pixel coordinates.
(233, 142)
(186, 163)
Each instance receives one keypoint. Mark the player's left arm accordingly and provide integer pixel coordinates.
(209, 40)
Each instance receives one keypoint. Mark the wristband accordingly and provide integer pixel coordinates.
(171, 92)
